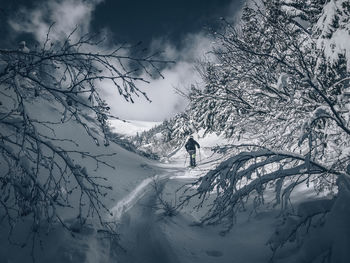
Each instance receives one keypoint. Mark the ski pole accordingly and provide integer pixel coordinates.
(200, 157)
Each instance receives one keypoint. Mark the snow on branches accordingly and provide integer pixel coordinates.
(249, 174)
(46, 93)
(275, 80)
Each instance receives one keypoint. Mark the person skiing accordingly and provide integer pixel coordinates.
(190, 146)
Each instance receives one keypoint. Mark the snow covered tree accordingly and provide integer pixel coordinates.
(183, 127)
(282, 77)
(215, 108)
(168, 137)
(42, 91)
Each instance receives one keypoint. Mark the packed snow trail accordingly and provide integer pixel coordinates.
(142, 238)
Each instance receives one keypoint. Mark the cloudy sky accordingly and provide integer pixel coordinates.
(176, 27)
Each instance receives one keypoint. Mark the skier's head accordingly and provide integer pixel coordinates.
(191, 137)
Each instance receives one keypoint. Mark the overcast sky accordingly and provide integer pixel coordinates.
(176, 27)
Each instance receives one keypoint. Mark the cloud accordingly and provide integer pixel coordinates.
(192, 47)
(65, 14)
(165, 101)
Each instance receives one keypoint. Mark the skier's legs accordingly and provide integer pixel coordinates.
(192, 156)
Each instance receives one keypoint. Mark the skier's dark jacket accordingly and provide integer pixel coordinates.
(191, 145)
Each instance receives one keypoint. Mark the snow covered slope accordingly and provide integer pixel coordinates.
(146, 235)
(88, 244)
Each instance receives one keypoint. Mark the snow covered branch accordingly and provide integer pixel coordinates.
(280, 81)
(46, 93)
(250, 174)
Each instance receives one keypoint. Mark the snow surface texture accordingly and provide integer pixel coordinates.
(146, 235)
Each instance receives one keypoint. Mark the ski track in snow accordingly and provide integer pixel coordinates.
(131, 199)
(143, 238)
(135, 195)
(141, 189)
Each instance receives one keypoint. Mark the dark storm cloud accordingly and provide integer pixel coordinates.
(67, 15)
(135, 20)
